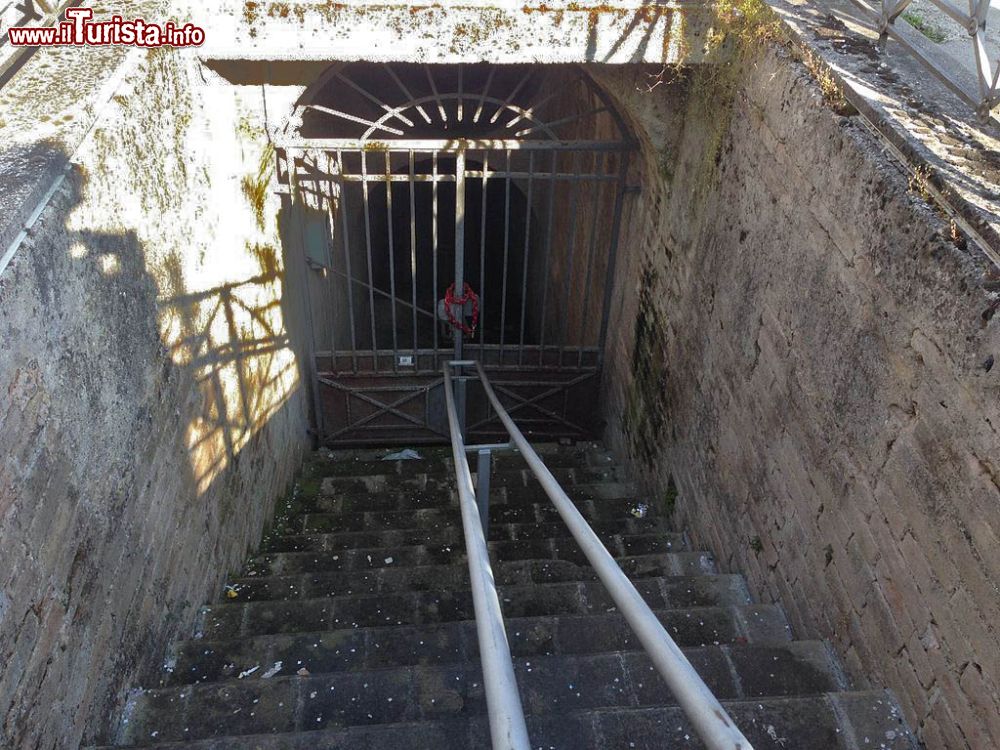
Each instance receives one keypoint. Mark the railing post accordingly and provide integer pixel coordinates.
(483, 469)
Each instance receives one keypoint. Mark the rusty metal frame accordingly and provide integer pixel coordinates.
(396, 109)
(341, 173)
(411, 393)
(505, 388)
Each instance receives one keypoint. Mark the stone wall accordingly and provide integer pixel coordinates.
(151, 409)
(802, 350)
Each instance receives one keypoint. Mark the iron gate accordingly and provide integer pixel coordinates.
(507, 179)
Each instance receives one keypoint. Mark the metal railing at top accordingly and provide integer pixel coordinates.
(987, 94)
(710, 720)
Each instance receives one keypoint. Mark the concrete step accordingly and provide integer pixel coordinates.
(255, 618)
(441, 463)
(335, 542)
(595, 511)
(443, 451)
(444, 482)
(698, 589)
(561, 548)
(547, 684)
(442, 494)
(833, 721)
(448, 548)
(455, 642)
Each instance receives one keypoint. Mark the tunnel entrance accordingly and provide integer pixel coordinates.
(408, 182)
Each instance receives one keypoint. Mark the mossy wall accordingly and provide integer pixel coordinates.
(801, 349)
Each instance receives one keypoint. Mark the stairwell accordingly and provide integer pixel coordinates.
(353, 627)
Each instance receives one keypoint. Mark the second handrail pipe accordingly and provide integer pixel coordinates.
(710, 720)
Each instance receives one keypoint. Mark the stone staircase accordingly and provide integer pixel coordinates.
(353, 627)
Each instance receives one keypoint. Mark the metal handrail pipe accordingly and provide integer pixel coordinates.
(709, 719)
(507, 727)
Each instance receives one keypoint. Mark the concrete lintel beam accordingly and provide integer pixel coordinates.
(455, 32)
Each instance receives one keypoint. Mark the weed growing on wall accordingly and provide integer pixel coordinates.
(831, 88)
(741, 31)
(255, 186)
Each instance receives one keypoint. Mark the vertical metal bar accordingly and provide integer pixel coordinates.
(535, 107)
(313, 374)
(984, 70)
(484, 93)
(406, 92)
(979, 57)
(548, 255)
(482, 254)
(510, 97)
(483, 469)
(571, 244)
(437, 96)
(349, 411)
(609, 281)
(368, 249)
(413, 254)
(375, 100)
(460, 273)
(392, 261)
(328, 272)
(434, 249)
(598, 189)
(527, 253)
(461, 102)
(489, 413)
(347, 258)
(506, 253)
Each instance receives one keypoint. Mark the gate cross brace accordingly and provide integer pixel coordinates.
(531, 402)
(383, 408)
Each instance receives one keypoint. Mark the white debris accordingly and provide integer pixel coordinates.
(248, 672)
(407, 454)
(773, 734)
(272, 671)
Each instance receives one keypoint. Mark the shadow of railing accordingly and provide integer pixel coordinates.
(232, 338)
(139, 392)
